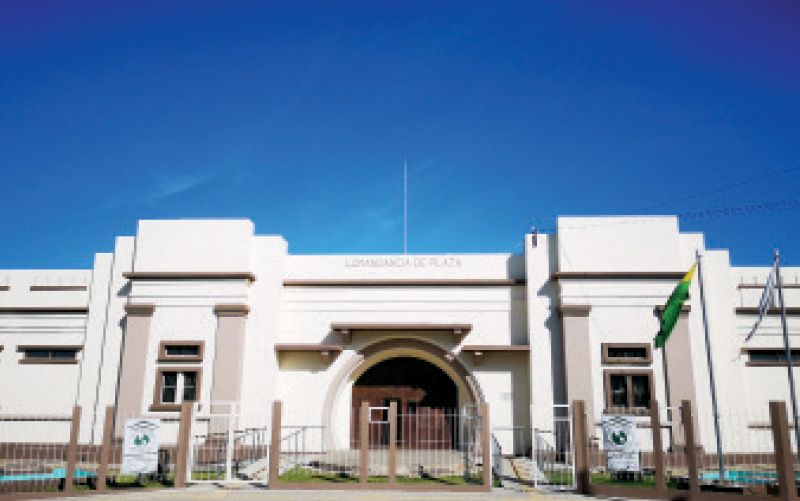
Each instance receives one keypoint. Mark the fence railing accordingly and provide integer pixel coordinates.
(433, 448)
(670, 459)
(228, 445)
(58, 461)
(537, 457)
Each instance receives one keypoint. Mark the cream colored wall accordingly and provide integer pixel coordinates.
(184, 309)
(103, 378)
(260, 371)
(544, 330)
(192, 245)
(498, 316)
(46, 389)
(520, 389)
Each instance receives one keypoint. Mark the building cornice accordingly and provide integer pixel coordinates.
(345, 330)
(52, 310)
(222, 275)
(502, 282)
(618, 275)
(747, 310)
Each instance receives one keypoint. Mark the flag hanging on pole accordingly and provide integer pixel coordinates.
(672, 309)
(766, 300)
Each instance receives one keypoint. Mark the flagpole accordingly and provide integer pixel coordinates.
(405, 206)
(789, 361)
(720, 458)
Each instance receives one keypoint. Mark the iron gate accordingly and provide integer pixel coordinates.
(228, 446)
(542, 457)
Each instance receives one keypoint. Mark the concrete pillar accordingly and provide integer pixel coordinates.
(577, 356)
(678, 370)
(229, 356)
(134, 363)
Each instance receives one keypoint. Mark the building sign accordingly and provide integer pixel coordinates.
(620, 443)
(403, 262)
(140, 449)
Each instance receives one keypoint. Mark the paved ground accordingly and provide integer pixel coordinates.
(210, 492)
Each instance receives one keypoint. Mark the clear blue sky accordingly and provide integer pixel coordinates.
(299, 115)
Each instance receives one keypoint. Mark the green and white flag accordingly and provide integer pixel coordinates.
(672, 309)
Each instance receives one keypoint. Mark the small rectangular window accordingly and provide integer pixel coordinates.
(49, 354)
(767, 357)
(627, 353)
(181, 351)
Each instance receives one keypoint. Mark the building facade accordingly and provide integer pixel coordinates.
(208, 311)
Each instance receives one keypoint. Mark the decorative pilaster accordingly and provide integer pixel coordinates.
(134, 362)
(229, 357)
(577, 355)
(678, 368)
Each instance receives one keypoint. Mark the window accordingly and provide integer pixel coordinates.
(627, 353)
(181, 351)
(174, 387)
(49, 354)
(628, 389)
(770, 357)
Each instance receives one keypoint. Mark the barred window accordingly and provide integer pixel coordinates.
(49, 354)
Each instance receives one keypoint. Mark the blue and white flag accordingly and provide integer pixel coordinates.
(766, 300)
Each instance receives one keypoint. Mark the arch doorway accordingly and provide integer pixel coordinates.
(426, 399)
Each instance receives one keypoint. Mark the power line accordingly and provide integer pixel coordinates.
(739, 210)
(737, 184)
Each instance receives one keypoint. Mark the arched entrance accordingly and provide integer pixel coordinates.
(338, 407)
(425, 396)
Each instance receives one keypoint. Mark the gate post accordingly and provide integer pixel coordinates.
(784, 461)
(580, 436)
(275, 442)
(392, 442)
(658, 451)
(363, 455)
(72, 448)
(486, 447)
(184, 443)
(105, 448)
(690, 449)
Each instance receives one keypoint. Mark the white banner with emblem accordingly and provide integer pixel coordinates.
(620, 443)
(140, 449)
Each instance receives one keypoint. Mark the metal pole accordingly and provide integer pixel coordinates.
(720, 458)
(405, 206)
(788, 352)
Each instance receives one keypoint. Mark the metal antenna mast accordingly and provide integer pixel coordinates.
(405, 206)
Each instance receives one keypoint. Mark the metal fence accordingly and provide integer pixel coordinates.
(439, 444)
(34, 452)
(312, 452)
(539, 457)
(230, 443)
(664, 450)
(747, 460)
(43, 453)
(386, 448)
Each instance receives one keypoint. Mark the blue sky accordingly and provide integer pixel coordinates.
(299, 115)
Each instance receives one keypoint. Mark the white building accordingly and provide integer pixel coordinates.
(207, 310)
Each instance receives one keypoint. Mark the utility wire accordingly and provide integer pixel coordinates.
(721, 188)
(739, 210)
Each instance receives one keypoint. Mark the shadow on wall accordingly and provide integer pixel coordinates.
(302, 361)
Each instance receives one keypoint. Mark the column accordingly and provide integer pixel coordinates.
(229, 357)
(577, 356)
(130, 392)
(678, 370)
